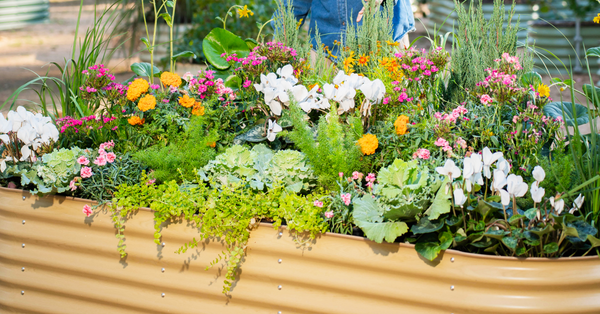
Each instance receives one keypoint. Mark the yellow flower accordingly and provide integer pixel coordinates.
(299, 23)
(401, 125)
(329, 54)
(393, 44)
(544, 90)
(348, 62)
(198, 110)
(244, 12)
(170, 79)
(363, 60)
(368, 144)
(597, 19)
(146, 103)
(135, 120)
(136, 89)
(186, 101)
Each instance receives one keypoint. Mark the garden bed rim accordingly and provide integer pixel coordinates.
(357, 238)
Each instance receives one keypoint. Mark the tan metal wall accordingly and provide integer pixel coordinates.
(72, 266)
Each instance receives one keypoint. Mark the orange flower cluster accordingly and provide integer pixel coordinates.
(137, 88)
(146, 103)
(391, 65)
(187, 101)
(401, 125)
(198, 109)
(368, 144)
(170, 79)
(211, 144)
(135, 120)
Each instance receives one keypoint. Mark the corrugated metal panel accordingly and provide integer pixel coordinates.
(19, 13)
(71, 266)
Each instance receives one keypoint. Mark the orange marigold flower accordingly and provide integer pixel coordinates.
(401, 125)
(211, 144)
(135, 120)
(146, 103)
(198, 109)
(170, 79)
(368, 144)
(137, 88)
(186, 101)
(363, 60)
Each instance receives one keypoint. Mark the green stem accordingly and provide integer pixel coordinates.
(261, 28)
(171, 29)
(77, 30)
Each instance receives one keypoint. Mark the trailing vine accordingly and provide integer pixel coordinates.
(228, 213)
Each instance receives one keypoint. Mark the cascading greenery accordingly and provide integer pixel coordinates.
(228, 213)
(478, 42)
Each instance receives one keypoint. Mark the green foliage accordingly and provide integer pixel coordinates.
(560, 170)
(221, 41)
(57, 170)
(228, 214)
(188, 151)
(368, 216)
(286, 27)
(334, 150)
(480, 41)
(572, 114)
(260, 168)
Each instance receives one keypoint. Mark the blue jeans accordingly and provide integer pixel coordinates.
(331, 17)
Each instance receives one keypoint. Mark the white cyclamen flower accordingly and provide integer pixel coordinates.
(577, 203)
(449, 169)
(558, 205)
(459, 197)
(502, 164)
(498, 185)
(537, 192)
(538, 174)
(515, 186)
(488, 160)
(273, 129)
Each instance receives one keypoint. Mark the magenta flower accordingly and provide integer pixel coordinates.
(486, 99)
(82, 160)
(86, 172)
(329, 214)
(87, 210)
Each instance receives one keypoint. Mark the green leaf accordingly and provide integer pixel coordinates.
(551, 248)
(453, 221)
(426, 226)
(441, 202)
(445, 239)
(541, 232)
(593, 240)
(251, 43)
(368, 216)
(220, 41)
(167, 19)
(428, 250)
(483, 208)
(492, 249)
(233, 81)
(555, 110)
(521, 251)
(510, 242)
(184, 54)
(514, 219)
(170, 3)
(482, 244)
(593, 52)
(593, 94)
(531, 78)
(531, 213)
(143, 69)
(145, 41)
(496, 234)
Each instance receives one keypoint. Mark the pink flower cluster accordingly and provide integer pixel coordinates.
(205, 86)
(67, 123)
(452, 117)
(346, 198)
(103, 158)
(422, 153)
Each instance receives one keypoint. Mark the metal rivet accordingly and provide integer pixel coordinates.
(452, 260)
(279, 312)
(23, 221)
(22, 268)
(279, 261)
(162, 294)
(22, 292)
(162, 269)
(163, 244)
(452, 288)
(279, 287)
(280, 234)
(23, 197)
(23, 245)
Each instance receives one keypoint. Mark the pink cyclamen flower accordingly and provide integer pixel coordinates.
(72, 185)
(100, 161)
(82, 160)
(422, 153)
(486, 99)
(110, 157)
(318, 203)
(346, 197)
(86, 172)
(329, 214)
(87, 210)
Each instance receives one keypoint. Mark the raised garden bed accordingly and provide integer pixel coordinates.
(69, 264)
